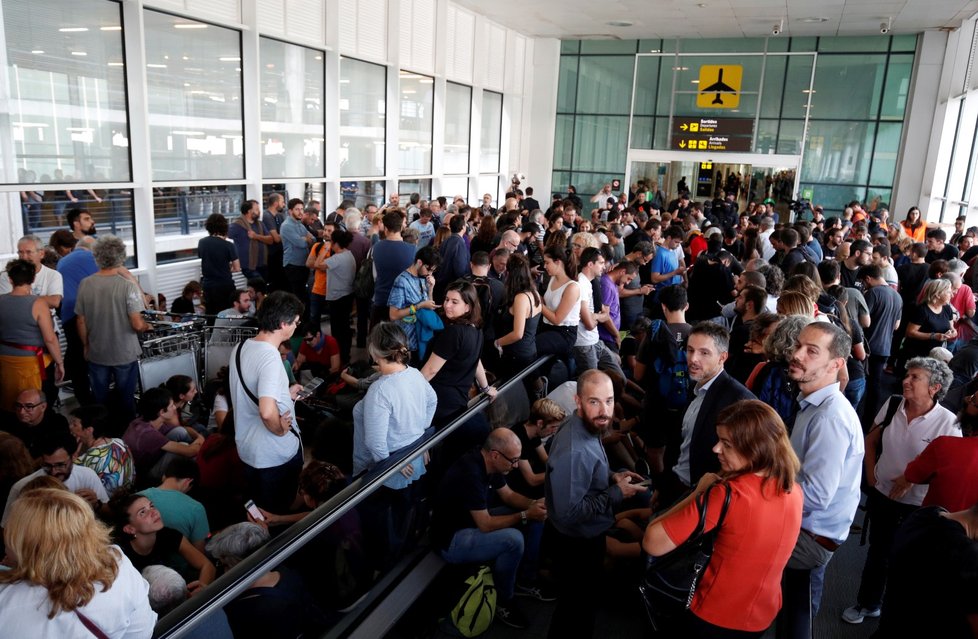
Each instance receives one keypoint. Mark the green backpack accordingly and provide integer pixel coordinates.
(473, 613)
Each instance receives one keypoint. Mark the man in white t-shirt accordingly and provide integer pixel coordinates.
(47, 282)
(266, 430)
(55, 450)
(589, 351)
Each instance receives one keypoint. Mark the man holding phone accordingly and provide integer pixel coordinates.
(266, 431)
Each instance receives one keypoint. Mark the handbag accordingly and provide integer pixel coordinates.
(670, 581)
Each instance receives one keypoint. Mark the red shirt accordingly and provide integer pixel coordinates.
(322, 356)
(741, 588)
(950, 466)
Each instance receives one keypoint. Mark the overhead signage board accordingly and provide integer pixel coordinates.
(712, 126)
(719, 86)
(711, 143)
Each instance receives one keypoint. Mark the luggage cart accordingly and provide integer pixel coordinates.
(219, 342)
(172, 348)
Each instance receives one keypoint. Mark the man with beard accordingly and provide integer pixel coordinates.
(80, 222)
(56, 461)
(581, 496)
(828, 439)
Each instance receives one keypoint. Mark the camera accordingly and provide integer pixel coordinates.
(800, 205)
(776, 30)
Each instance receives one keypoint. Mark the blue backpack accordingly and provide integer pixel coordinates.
(773, 387)
(672, 370)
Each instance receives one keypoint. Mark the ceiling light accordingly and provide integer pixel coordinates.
(155, 66)
(187, 132)
(112, 28)
(80, 53)
(37, 51)
(813, 20)
(680, 68)
(319, 57)
(189, 25)
(115, 64)
(619, 23)
(230, 59)
(695, 81)
(72, 29)
(408, 91)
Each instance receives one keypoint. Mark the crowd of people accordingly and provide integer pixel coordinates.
(693, 350)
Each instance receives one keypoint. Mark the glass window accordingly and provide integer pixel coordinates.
(834, 198)
(458, 116)
(492, 123)
(416, 105)
(450, 187)
(904, 43)
(774, 80)
(363, 193)
(650, 46)
(292, 99)
(897, 87)
(854, 43)
(66, 92)
(44, 211)
(600, 143)
(406, 187)
(886, 153)
(790, 137)
(767, 136)
(722, 45)
(660, 138)
(605, 84)
(804, 44)
(490, 184)
(797, 83)
(363, 117)
(564, 141)
(646, 84)
(567, 87)
(181, 210)
(848, 86)
(194, 84)
(838, 152)
(570, 46)
(642, 132)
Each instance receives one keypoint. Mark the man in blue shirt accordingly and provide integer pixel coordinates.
(296, 240)
(828, 440)
(413, 290)
(425, 228)
(665, 267)
(251, 239)
(391, 256)
(74, 267)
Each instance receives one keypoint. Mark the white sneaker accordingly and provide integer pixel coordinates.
(856, 614)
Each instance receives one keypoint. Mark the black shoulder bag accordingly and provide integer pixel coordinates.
(244, 387)
(670, 581)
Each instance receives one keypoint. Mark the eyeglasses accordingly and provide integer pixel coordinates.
(59, 466)
(19, 406)
(512, 462)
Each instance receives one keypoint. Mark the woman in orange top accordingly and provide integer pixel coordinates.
(915, 227)
(740, 592)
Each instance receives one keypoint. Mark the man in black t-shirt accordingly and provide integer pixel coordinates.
(546, 416)
(937, 249)
(463, 529)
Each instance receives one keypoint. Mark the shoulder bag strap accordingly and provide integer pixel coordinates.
(237, 362)
(90, 625)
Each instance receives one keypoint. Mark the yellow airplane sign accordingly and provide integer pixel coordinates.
(720, 86)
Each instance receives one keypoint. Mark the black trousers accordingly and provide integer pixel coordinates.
(339, 324)
(297, 277)
(577, 570)
(885, 516)
(76, 368)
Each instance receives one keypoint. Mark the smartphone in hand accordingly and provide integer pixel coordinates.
(253, 510)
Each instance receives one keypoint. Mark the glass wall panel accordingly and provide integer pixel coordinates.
(492, 123)
(804, 44)
(363, 118)
(797, 83)
(570, 46)
(897, 87)
(292, 99)
(650, 46)
(363, 192)
(705, 45)
(642, 132)
(65, 114)
(774, 80)
(406, 187)
(608, 46)
(416, 121)
(458, 116)
(44, 211)
(646, 84)
(600, 143)
(194, 81)
(886, 152)
(660, 139)
(564, 142)
(767, 136)
(450, 187)
(854, 43)
(181, 210)
(605, 84)
(904, 43)
(838, 152)
(834, 198)
(848, 86)
(790, 137)
(490, 184)
(567, 87)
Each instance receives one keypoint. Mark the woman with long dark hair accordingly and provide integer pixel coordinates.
(915, 227)
(517, 324)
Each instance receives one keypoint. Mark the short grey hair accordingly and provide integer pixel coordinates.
(352, 219)
(236, 542)
(38, 244)
(935, 288)
(167, 589)
(87, 242)
(937, 371)
(767, 223)
(780, 344)
(109, 252)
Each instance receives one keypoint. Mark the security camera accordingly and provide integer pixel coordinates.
(776, 30)
(884, 27)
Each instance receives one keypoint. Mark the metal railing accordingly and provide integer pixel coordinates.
(231, 584)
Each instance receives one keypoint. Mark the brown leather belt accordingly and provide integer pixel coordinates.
(824, 542)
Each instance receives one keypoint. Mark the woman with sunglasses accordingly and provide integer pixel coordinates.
(740, 592)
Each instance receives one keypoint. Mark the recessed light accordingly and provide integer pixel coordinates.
(80, 53)
(37, 51)
(114, 28)
(72, 29)
(619, 23)
(156, 66)
(813, 19)
(189, 25)
(230, 59)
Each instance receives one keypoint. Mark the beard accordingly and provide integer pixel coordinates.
(594, 427)
(91, 231)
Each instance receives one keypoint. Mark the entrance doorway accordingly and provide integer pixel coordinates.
(751, 177)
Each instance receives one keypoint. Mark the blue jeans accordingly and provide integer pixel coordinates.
(125, 375)
(503, 547)
(855, 389)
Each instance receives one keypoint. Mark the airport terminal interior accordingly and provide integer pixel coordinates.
(325, 369)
